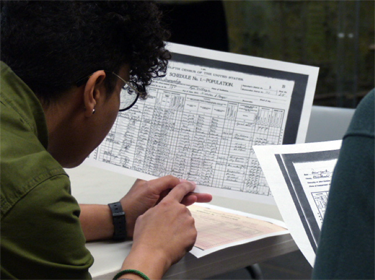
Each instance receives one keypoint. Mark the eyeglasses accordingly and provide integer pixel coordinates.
(128, 95)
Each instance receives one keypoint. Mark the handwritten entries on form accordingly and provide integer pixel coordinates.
(299, 177)
(200, 121)
(219, 228)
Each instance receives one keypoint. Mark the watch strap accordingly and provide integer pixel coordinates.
(119, 221)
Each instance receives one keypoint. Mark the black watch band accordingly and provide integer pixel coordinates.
(119, 221)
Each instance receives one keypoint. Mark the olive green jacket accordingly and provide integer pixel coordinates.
(41, 236)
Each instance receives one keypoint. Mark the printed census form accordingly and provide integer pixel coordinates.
(300, 178)
(201, 120)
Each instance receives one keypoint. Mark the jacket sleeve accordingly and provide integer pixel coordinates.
(41, 236)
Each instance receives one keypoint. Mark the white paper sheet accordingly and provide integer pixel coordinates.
(200, 121)
(299, 177)
(219, 228)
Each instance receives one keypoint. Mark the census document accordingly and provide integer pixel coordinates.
(300, 178)
(200, 121)
(316, 176)
(219, 228)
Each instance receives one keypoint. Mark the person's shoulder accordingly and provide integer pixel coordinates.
(363, 122)
(25, 164)
(368, 101)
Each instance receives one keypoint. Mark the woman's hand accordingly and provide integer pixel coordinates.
(163, 234)
(146, 194)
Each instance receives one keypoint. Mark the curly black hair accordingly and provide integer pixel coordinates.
(52, 44)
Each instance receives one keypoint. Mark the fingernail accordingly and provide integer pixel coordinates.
(193, 183)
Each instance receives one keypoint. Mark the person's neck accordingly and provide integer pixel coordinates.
(61, 121)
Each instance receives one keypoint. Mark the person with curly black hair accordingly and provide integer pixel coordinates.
(63, 68)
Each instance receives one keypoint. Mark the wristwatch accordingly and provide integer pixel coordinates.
(119, 221)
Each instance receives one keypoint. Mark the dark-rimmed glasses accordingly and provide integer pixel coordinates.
(128, 95)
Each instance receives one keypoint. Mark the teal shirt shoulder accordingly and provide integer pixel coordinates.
(41, 236)
(346, 245)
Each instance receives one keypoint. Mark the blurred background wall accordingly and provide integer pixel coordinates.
(336, 36)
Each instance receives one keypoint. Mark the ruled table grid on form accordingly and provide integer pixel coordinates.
(208, 142)
(200, 123)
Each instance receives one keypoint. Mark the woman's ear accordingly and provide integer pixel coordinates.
(94, 90)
